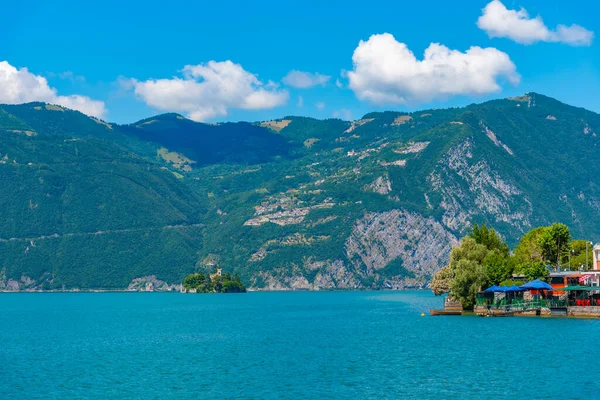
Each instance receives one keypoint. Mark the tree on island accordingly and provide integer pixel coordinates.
(203, 283)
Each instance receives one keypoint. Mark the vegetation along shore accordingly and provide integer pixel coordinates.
(546, 273)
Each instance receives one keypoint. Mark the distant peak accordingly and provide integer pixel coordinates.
(168, 116)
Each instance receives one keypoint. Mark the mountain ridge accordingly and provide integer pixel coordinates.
(291, 203)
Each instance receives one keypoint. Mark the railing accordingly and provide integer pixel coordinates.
(520, 304)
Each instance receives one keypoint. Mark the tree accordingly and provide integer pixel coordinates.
(200, 281)
(489, 238)
(466, 264)
(441, 281)
(554, 243)
(497, 266)
(578, 256)
(468, 281)
(528, 250)
(533, 271)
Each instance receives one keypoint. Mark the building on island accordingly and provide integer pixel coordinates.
(596, 254)
(218, 272)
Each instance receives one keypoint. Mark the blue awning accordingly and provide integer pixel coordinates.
(536, 285)
(503, 289)
(492, 289)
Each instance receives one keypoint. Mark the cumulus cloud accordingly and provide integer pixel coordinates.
(21, 86)
(303, 80)
(386, 71)
(498, 21)
(338, 83)
(209, 90)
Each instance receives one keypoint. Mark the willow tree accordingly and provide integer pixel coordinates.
(468, 271)
(440, 283)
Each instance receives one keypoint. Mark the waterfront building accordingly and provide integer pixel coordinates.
(596, 255)
(559, 280)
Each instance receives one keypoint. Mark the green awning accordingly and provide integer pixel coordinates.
(575, 288)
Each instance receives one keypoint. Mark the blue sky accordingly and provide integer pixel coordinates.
(106, 57)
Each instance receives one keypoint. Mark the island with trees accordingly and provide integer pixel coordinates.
(217, 282)
(483, 259)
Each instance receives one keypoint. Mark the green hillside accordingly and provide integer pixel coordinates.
(83, 211)
(290, 203)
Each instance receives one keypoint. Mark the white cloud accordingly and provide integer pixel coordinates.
(498, 21)
(338, 83)
(303, 80)
(343, 113)
(320, 105)
(209, 90)
(300, 102)
(386, 71)
(21, 86)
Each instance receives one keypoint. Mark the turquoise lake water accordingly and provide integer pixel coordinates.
(335, 345)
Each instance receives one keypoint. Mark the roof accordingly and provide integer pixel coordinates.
(566, 273)
(580, 288)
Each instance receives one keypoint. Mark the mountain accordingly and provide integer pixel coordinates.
(81, 210)
(290, 203)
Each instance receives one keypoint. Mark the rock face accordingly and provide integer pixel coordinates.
(327, 276)
(381, 185)
(151, 284)
(470, 187)
(422, 244)
(25, 283)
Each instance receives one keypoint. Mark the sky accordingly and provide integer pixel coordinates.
(240, 60)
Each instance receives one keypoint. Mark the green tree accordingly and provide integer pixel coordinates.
(199, 281)
(554, 243)
(489, 238)
(466, 263)
(497, 266)
(528, 250)
(536, 270)
(580, 252)
(469, 278)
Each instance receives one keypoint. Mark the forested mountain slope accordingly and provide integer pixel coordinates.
(291, 203)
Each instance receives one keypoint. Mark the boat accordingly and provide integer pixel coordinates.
(445, 312)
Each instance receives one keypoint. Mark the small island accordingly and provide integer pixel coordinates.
(217, 282)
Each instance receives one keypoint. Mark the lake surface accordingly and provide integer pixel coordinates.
(335, 345)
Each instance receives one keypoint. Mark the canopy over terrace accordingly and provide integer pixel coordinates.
(583, 295)
(503, 289)
(582, 288)
(536, 285)
(501, 298)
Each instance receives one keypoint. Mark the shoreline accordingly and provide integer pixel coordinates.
(177, 291)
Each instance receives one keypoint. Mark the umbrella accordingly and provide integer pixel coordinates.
(536, 285)
(492, 289)
(514, 288)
